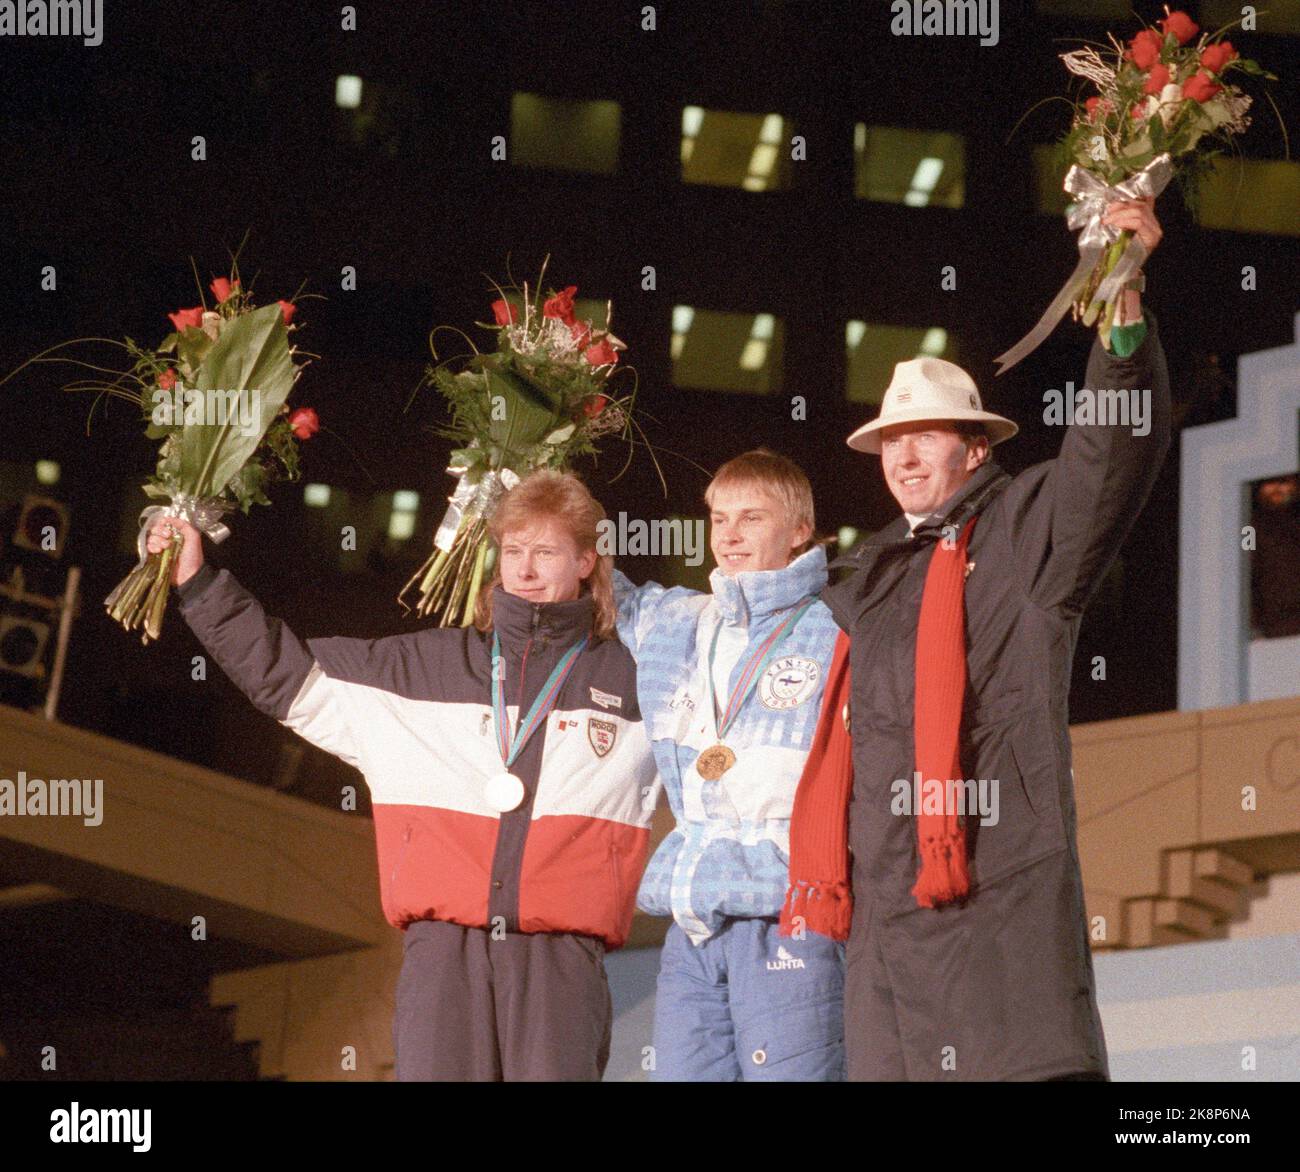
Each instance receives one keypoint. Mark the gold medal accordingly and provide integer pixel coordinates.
(714, 762)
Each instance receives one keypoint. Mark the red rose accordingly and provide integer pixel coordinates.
(601, 354)
(593, 407)
(305, 423)
(1217, 56)
(561, 305)
(288, 309)
(1200, 87)
(167, 379)
(223, 288)
(1137, 110)
(1181, 25)
(581, 332)
(1093, 105)
(1144, 49)
(1157, 79)
(504, 312)
(183, 319)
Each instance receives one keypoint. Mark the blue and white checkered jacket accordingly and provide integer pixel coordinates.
(729, 852)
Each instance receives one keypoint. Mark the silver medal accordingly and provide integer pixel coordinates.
(504, 792)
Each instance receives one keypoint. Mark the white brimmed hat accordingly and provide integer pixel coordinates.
(930, 389)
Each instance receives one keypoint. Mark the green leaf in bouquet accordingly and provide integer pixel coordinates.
(1199, 123)
(560, 434)
(528, 413)
(154, 489)
(248, 485)
(1254, 68)
(1138, 152)
(252, 358)
(467, 457)
(193, 346)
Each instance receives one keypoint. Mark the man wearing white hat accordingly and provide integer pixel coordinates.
(968, 955)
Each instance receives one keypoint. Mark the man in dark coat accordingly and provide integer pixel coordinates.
(996, 981)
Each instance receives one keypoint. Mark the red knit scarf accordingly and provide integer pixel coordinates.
(819, 897)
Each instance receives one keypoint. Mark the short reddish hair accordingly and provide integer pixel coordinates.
(545, 495)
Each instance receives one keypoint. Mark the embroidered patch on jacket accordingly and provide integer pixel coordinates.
(605, 699)
(789, 681)
(601, 734)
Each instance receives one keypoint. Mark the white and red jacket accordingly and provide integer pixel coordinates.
(413, 712)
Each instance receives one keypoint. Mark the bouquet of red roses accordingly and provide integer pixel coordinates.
(542, 398)
(1163, 97)
(214, 392)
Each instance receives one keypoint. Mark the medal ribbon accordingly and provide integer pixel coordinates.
(753, 669)
(541, 708)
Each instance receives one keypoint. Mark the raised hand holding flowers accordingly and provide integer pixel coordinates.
(540, 400)
(1163, 99)
(213, 391)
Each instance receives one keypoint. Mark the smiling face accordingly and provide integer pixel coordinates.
(542, 563)
(750, 530)
(925, 463)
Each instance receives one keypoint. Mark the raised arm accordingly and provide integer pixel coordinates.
(1075, 511)
(639, 607)
(261, 656)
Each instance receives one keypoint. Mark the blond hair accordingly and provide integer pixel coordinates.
(778, 476)
(549, 495)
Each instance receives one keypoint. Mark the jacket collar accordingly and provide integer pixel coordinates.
(756, 593)
(988, 480)
(517, 620)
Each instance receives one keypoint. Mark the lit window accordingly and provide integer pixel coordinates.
(728, 149)
(316, 496)
(47, 472)
(1251, 195)
(872, 350)
(920, 168)
(564, 135)
(1275, 18)
(719, 351)
(347, 91)
(401, 521)
(379, 118)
